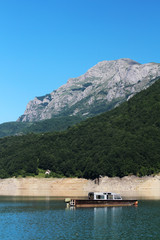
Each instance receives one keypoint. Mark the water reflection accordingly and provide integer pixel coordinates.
(100, 214)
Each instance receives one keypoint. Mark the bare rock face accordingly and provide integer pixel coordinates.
(100, 89)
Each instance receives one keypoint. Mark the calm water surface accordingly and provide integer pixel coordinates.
(50, 219)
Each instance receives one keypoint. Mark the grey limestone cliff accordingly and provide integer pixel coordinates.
(100, 89)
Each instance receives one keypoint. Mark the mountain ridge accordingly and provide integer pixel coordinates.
(102, 87)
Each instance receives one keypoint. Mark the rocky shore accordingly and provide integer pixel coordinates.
(129, 187)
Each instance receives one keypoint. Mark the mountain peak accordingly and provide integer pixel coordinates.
(127, 60)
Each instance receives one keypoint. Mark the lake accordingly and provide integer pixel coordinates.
(31, 218)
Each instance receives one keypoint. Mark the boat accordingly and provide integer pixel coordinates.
(101, 199)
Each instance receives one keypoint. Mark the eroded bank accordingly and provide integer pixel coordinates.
(130, 186)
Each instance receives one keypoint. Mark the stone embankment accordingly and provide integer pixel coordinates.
(129, 187)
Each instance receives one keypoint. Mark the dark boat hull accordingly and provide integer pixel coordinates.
(103, 203)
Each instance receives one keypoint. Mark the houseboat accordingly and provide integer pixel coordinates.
(101, 199)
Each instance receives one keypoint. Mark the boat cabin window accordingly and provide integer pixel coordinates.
(117, 197)
(99, 196)
(110, 197)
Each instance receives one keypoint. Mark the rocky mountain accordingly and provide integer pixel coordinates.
(100, 89)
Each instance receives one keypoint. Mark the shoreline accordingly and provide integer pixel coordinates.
(147, 187)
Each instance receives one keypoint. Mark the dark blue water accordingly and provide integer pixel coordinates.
(50, 219)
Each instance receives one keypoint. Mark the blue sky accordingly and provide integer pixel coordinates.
(43, 43)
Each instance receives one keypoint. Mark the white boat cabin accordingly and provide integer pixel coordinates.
(104, 196)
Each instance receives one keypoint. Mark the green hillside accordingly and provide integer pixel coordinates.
(13, 128)
(124, 141)
(48, 125)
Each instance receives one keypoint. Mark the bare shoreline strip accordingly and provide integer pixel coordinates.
(131, 186)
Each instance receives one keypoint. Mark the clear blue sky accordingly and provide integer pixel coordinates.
(43, 43)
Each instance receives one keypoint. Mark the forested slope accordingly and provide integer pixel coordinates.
(49, 125)
(123, 141)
